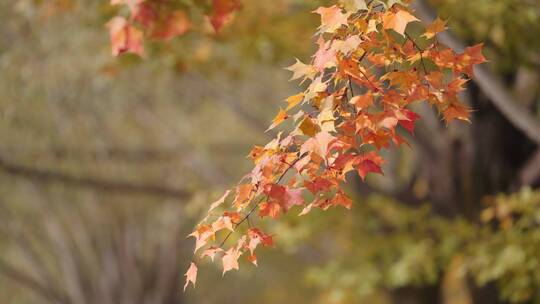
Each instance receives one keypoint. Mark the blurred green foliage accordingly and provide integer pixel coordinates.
(385, 245)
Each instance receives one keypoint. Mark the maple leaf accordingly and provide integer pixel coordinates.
(254, 240)
(388, 123)
(201, 235)
(221, 12)
(302, 70)
(271, 209)
(366, 166)
(220, 201)
(230, 260)
(318, 185)
(324, 57)
(226, 221)
(243, 193)
(276, 192)
(326, 120)
(308, 127)
(362, 101)
(191, 275)
(176, 24)
(343, 162)
(347, 46)
(401, 79)
(280, 117)
(456, 111)
(435, 28)
(294, 100)
(293, 197)
(306, 209)
(253, 259)
(410, 121)
(332, 18)
(145, 14)
(223, 222)
(398, 21)
(341, 199)
(318, 144)
(475, 54)
(211, 252)
(265, 239)
(316, 87)
(124, 37)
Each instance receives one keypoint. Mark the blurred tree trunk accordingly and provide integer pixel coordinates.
(467, 162)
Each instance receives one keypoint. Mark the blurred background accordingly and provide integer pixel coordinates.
(106, 164)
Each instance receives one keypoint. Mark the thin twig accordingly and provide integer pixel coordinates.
(246, 217)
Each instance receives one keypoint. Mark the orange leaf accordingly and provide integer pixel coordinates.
(456, 111)
(362, 102)
(271, 209)
(176, 24)
(435, 28)
(475, 54)
(342, 199)
(124, 37)
(243, 193)
(253, 259)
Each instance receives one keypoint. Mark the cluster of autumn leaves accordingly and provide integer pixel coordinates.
(366, 72)
(359, 84)
(159, 20)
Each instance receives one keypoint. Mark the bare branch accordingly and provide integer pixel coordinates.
(49, 176)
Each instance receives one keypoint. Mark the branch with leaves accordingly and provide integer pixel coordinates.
(162, 21)
(491, 85)
(385, 51)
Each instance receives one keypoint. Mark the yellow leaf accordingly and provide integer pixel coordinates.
(302, 70)
(280, 117)
(332, 18)
(308, 127)
(292, 101)
(326, 120)
(398, 21)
